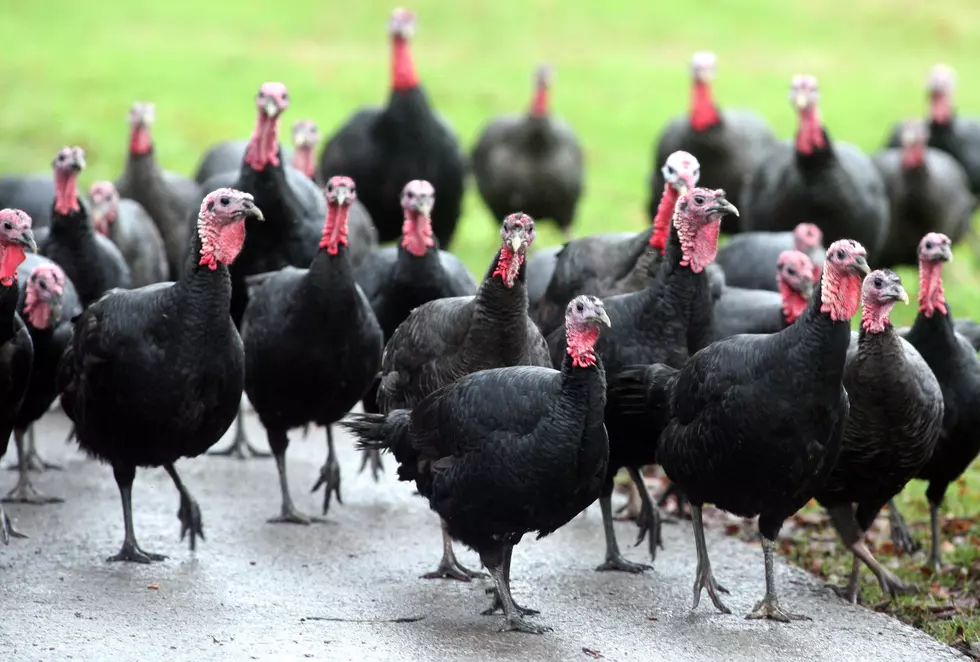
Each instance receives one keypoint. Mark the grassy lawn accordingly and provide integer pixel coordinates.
(71, 70)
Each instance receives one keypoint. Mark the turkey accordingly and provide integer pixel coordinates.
(227, 156)
(444, 339)
(91, 261)
(666, 322)
(954, 134)
(398, 279)
(48, 303)
(166, 196)
(16, 348)
(833, 185)
(131, 229)
(748, 258)
(306, 136)
(896, 415)
(531, 162)
(928, 190)
(382, 149)
(969, 330)
(729, 144)
(954, 362)
(740, 310)
(716, 446)
(610, 264)
(312, 346)
(504, 452)
(294, 210)
(156, 374)
(32, 194)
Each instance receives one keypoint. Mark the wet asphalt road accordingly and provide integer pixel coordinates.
(260, 591)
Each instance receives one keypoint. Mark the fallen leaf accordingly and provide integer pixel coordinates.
(155, 587)
(595, 655)
(732, 529)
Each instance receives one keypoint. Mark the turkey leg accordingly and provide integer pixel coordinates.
(902, 538)
(31, 459)
(241, 448)
(679, 499)
(24, 491)
(497, 602)
(189, 513)
(935, 556)
(704, 579)
(130, 548)
(769, 606)
(649, 518)
(449, 566)
(329, 475)
(278, 441)
(614, 558)
(513, 619)
(844, 520)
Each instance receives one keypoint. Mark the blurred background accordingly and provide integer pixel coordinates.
(72, 69)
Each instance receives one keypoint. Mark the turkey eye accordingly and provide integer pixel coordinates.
(224, 201)
(8, 226)
(877, 282)
(285, 96)
(579, 307)
(840, 255)
(698, 200)
(671, 170)
(791, 271)
(929, 244)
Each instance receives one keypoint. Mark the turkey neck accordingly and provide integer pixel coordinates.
(935, 337)
(536, 134)
(408, 115)
(417, 270)
(499, 326)
(581, 405)
(203, 297)
(815, 346)
(9, 297)
(143, 171)
(329, 282)
(273, 195)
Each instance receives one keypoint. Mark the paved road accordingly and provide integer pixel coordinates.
(255, 590)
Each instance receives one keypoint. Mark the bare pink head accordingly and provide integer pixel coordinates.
(583, 317)
(341, 194)
(516, 233)
(16, 237)
(704, 112)
(542, 86)
(263, 148)
(807, 237)
(795, 276)
(142, 114)
(697, 218)
(914, 137)
(804, 94)
(67, 164)
(43, 296)
(940, 85)
(306, 136)
(935, 249)
(681, 172)
(844, 268)
(221, 225)
(105, 205)
(881, 291)
(401, 26)
(418, 198)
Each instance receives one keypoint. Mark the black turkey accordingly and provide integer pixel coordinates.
(728, 143)
(306, 136)
(928, 190)
(531, 162)
(748, 258)
(382, 149)
(131, 229)
(833, 185)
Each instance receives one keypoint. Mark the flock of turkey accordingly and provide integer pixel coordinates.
(511, 401)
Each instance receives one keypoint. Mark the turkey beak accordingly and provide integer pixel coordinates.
(27, 240)
(801, 100)
(947, 253)
(805, 287)
(424, 207)
(602, 317)
(723, 206)
(270, 107)
(515, 243)
(861, 265)
(341, 196)
(254, 213)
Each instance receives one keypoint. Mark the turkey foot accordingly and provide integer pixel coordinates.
(278, 441)
(25, 492)
(372, 457)
(290, 515)
(769, 607)
(240, 448)
(132, 553)
(329, 475)
(518, 624)
(189, 513)
(449, 566)
(852, 591)
(890, 584)
(902, 538)
(498, 605)
(619, 563)
(649, 519)
(29, 458)
(7, 530)
(704, 579)
(499, 566)
(614, 559)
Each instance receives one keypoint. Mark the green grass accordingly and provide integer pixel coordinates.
(71, 69)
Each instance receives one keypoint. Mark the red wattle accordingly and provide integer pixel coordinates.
(13, 255)
(661, 222)
(580, 345)
(403, 75)
(539, 107)
(140, 141)
(703, 111)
